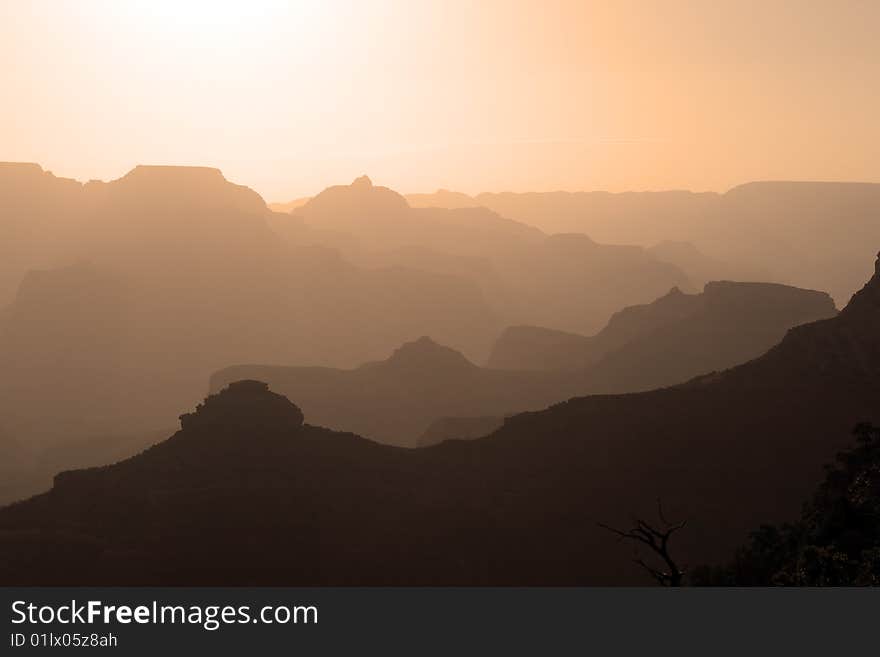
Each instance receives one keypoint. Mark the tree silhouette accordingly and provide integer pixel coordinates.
(836, 540)
(657, 541)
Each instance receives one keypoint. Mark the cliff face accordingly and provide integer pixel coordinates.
(865, 303)
(731, 324)
(538, 348)
(676, 337)
(847, 346)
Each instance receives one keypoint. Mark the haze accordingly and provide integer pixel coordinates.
(288, 98)
(337, 293)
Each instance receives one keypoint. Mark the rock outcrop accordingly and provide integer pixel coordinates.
(244, 404)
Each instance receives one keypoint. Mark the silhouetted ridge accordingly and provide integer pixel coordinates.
(204, 187)
(763, 187)
(866, 300)
(225, 504)
(361, 200)
(242, 426)
(395, 400)
(184, 276)
(569, 282)
(248, 403)
(672, 339)
(426, 354)
(736, 291)
(167, 173)
(633, 320)
(23, 169)
(810, 234)
(847, 346)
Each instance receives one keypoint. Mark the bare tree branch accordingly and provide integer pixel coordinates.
(658, 541)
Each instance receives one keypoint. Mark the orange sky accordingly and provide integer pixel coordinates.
(288, 97)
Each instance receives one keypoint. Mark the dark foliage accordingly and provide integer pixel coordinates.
(836, 541)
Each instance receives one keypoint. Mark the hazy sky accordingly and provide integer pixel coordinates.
(288, 97)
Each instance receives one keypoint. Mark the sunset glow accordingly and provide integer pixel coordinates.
(574, 95)
(299, 299)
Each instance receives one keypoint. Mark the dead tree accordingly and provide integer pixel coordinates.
(657, 541)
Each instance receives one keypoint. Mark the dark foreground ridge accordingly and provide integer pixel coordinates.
(245, 493)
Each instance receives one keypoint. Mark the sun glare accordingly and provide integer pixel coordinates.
(214, 20)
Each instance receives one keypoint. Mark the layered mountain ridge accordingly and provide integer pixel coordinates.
(674, 338)
(395, 400)
(669, 341)
(251, 495)
(763, 230)
(130, 293)
(566, 281)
